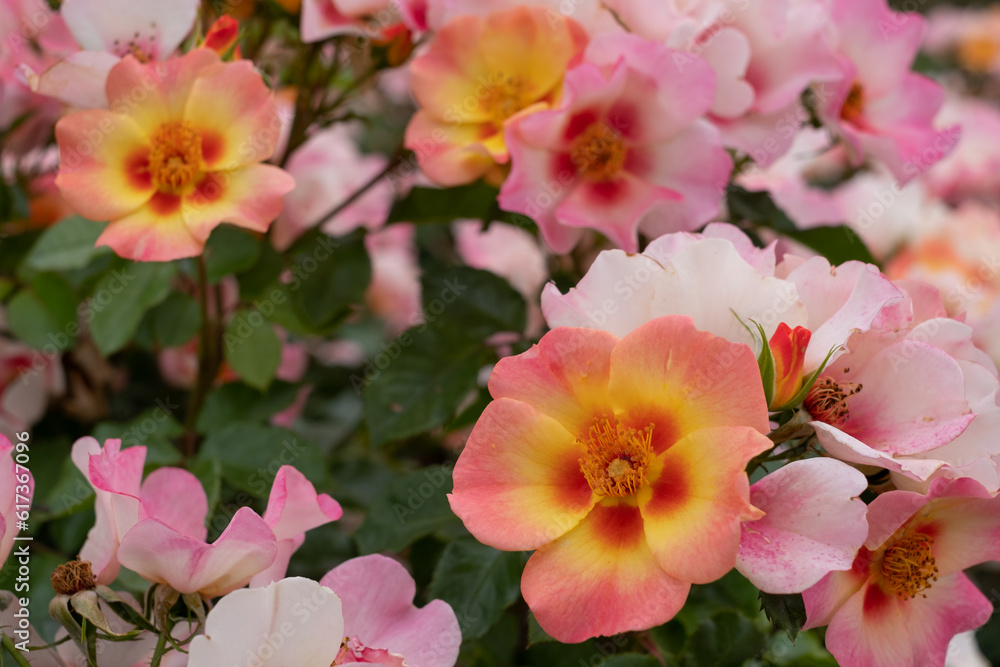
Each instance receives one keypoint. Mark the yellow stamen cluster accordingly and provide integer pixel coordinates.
(616, 458)
(908, 566)
(176, 157)
(854, 105)
(827, 400)
(504, 96)
(599, 153)
(978, 53)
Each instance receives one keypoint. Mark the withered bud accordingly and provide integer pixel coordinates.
(73, 577)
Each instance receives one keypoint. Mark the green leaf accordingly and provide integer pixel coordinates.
(121, 299)
(758, 208)
(726, 639)
(251, 456)
(478, 581)
(6, 287)
(787, 612)
(236, 402)
(806, 651)
(69, 244)
(427, 372)
(32, 322)
(481, 302)
(414, 506)
(175, 321)
(209, 473)
(477, 201)
(14, 249)
(13, 201)
(252, 348)
(838, 244)
(329, 276)
(229, 250)
(256, 280)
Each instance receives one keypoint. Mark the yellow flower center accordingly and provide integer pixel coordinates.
(978, 53)
(616, 458)
(909, 567)
(854, 105)
(504, 96)
(176, 157)
(827, 400)
(599, 153)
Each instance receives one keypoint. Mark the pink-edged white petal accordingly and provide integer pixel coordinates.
(154, 29)
(294, 621)
(814, 524)
(77, 80)
(377, 595)
(293, 508)
(160, 554)
(175, 497)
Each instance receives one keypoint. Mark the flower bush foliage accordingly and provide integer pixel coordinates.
(422, 333)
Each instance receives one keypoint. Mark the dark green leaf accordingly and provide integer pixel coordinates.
(758, 208)
(838, 244)
(477, 201)
(329, 276)
(32, 321)
(414, 506)
(13, 202)
(209, 473)
(787, 612)
(421, 383)
(229, 250)
(251, 455)
(236, 402)
(252, 348)
(255, 281)
(481, 302)
(175, 321)
(479, 582)
(725, 640)
(69, 244)
(121, 299)
(806, 651)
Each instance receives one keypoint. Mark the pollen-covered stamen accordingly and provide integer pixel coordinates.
(854, 105)
(827, 400)
(909, 567)
(978, 53)
(176, 159)
(617, 457)
(599, 153)
(504, 96)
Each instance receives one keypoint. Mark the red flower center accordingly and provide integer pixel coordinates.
(909, 567)
(176, 158)
(599, 153)
(616, 458)
(854, 105)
